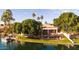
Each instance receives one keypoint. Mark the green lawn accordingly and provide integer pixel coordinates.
(45, 41)
(76, 41)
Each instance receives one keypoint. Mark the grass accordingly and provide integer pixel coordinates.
(76, 40)
(45, 41)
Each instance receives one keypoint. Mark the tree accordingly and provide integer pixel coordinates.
(31, 27)
(33, 15)
(41, 18)
(17, 27)
(38, 18)
(7, 17)
(67, 22)
(46, 22)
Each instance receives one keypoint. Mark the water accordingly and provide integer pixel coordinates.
(34, 46)
(38, 46)
(26, 46)
(5, 46)
(50, 47)
(2, 46)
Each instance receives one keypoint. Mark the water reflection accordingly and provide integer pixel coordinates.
(36, 46)
(31, 46)
(7, 46)
(64, 47)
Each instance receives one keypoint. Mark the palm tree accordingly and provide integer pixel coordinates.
(33, 15)
(38, 18)
(41, 18)
(45, 22)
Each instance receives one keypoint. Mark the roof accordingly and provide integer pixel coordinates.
(49, 27)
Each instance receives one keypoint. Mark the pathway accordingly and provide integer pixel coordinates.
(67, 36)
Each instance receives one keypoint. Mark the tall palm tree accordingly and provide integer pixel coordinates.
(33, 15)
(38, 18)
(45, 22)
(41, 18)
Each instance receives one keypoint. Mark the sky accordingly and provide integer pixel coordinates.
(49, 14)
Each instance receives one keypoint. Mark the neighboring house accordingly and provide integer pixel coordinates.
(1, 28)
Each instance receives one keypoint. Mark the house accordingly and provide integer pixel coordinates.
(1, 28)
(49, 30)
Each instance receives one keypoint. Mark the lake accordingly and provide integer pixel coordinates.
(5, 46)
(34, 46)
(26, 46)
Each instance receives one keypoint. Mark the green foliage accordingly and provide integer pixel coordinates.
(67, 22)
(17, 27)
(28, 26)
(7, 16)
(32, 27)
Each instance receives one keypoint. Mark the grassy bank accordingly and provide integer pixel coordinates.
(76, 41)
(45, 41)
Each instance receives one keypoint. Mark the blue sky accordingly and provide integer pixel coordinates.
(49, 14)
